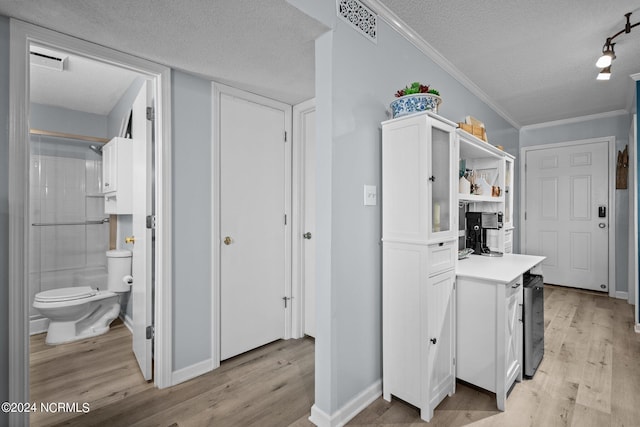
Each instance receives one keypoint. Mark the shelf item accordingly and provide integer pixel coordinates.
(117, 172)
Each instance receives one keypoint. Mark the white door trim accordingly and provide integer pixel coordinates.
(217, 90)
(22, 34)
(298, 186)
(611, 141)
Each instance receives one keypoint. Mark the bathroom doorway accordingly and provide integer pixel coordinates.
(77, 106)
(60, 231)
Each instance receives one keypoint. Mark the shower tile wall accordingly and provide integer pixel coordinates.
(66, 189)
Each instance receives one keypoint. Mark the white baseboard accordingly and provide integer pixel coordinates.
(185, 374)
(348, 411)
(128, 321)
(622, 295)
(38, 326)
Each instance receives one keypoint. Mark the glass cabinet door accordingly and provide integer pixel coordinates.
(508, 193)
(442, 141)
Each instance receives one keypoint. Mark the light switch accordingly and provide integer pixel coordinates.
(370, 195)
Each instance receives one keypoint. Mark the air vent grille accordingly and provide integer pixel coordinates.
(360, 17)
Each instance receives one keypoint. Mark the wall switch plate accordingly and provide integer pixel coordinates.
(370, 195)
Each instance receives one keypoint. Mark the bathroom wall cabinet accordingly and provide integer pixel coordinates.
(419, 234)
(117, 171)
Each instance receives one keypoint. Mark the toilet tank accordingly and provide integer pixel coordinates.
(118, 268)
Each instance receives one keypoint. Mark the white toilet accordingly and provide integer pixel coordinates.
(81, 312)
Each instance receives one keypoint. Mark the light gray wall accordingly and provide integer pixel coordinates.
(4, 214)
(58, 119)
(355, 82)
(617, 126)
(192, 116)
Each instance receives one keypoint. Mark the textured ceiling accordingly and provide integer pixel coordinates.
(84, 84)
(533, 60)
(263, 46)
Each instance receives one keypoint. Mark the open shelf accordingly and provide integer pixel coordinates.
(474, 198)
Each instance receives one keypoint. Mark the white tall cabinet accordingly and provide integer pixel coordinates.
(419, 233)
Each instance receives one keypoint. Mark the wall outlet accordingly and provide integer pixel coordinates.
(370, 195)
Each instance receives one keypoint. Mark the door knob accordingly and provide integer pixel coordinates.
(602, 225)
(227, 240)
(307, 235)
(433, 340)
(130, 239)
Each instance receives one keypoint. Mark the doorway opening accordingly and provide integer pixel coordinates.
(36, 259)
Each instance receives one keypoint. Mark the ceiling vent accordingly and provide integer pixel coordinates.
(359, 17)
(48, 59)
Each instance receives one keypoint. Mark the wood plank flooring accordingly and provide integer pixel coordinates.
(590, 376)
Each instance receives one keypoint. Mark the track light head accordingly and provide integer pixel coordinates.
(605, 73)
(608, 55)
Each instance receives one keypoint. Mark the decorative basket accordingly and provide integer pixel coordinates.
(415, 103)
(474, 130)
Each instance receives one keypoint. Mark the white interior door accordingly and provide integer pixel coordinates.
(309, 248)
(141, 292)
(567, 213)
(254, 194)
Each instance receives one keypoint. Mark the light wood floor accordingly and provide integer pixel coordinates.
(590, 376)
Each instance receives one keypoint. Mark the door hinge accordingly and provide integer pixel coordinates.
(285, 136)
(525, 215)
(454, 285)
(151, 222)
(454, 361)
(151, 114)
(150, 332)
(285, 219)
(285, 299)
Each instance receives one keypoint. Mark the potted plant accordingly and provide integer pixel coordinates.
(414, 99)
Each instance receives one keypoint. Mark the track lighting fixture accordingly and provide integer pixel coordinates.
(608, 54)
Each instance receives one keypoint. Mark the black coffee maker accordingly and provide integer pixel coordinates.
(477, 225)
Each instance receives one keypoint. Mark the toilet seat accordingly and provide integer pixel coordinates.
(65, 294)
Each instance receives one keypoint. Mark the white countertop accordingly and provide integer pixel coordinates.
(502, 269)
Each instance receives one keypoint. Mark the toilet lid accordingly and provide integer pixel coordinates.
(65, 294)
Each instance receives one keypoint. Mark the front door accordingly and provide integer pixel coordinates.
(254, 195)
(567, 213)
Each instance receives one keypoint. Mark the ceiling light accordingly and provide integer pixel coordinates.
(605, 73)
(608, 55)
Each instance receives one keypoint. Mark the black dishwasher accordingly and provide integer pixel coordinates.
(533, 322)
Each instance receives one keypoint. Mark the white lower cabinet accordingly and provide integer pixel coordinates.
(489, 335)
(418, 326)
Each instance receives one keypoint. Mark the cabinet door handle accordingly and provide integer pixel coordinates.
(433, 340)
(515, 286)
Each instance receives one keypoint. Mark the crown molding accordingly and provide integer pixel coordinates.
(414, 38)
(580, 119)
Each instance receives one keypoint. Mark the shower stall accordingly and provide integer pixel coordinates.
(68, 229)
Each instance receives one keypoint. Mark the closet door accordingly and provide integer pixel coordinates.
(254, 193)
